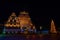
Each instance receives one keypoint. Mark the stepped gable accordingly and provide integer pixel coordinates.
(12, 21)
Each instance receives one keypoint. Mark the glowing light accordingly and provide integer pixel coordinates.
(40, 27)
(23, 21)
(12, 21)
(53, 29)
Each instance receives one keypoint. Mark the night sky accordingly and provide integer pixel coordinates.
(39, 16)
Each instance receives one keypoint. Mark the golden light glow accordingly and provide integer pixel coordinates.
(53, 29)
(10, 21)
(23, 20)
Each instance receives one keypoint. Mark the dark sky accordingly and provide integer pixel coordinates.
(39, 16)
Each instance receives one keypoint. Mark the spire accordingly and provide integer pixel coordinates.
(53, 29)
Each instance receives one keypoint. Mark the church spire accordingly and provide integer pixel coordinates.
(53, 29)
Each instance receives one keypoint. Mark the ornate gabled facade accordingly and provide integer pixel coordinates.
(12, 21)
(12, 25)
(53, 28)
(22, 23)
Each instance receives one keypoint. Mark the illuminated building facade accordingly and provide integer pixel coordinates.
(25, 21)
(21, 24)
(12, 24)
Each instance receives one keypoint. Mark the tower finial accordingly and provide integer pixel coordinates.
(53, 29)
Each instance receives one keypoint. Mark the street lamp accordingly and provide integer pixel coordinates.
(40, 29)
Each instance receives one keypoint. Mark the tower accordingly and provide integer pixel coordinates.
(12, 25)
(53, 29)
(25, 21)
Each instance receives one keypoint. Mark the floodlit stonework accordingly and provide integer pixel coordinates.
(23, 22)
(53, 28)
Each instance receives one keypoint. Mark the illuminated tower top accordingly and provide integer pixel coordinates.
(53, 29)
